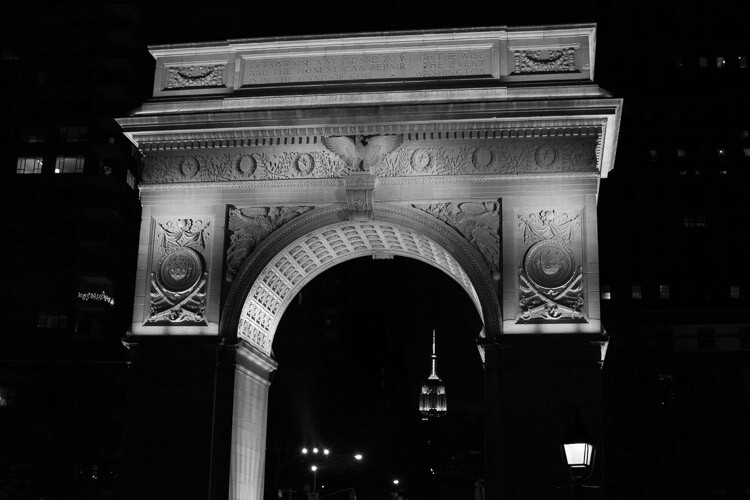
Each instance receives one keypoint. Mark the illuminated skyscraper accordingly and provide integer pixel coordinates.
(432, 399)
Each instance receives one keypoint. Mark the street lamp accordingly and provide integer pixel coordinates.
(578, 452)
(314, 470)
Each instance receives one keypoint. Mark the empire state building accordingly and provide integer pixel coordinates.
(432, 399)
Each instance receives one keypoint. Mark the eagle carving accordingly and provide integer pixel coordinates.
(361, 152)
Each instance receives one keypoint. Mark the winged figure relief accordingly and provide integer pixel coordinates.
(361, 152)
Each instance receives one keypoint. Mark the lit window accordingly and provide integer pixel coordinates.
(743, 62)
(723, 171)
(663, 292)
(734, 291)
(130, 179)
(73, 134)
(689, 220)
(697, 172)
(681, 154)
(111, 140)
(721, 62)
(683, 172)
(636, 292)
(746, 151)
(722, 153)
(606, 294)
(653, 154)
(28, 165)
(745, 133)
(69, 165)
(703, 62)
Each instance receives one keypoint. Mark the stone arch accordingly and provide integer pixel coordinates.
(305, 247)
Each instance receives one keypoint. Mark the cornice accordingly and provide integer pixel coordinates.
(290, 136)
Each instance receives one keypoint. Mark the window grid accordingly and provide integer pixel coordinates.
(29, 165)
(663, 292)
(636, 292)
(69, 165)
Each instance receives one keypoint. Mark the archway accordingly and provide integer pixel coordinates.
(287, 260)
(353, 352)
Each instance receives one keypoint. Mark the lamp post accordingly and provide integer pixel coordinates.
(578, 452)
(314, 470)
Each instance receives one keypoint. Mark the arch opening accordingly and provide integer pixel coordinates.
(311, 254)
(353, 352)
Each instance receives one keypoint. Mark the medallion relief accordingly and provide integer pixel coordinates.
(479, 223)
(219, 167)
(248, 226)
(178, 279)
(550, 281)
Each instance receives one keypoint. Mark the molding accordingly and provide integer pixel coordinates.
(480, 129)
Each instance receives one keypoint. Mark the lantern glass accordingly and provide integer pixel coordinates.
(578, 454)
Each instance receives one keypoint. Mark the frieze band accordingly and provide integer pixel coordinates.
(385, 156)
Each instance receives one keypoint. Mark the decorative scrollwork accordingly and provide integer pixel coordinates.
(178, 281)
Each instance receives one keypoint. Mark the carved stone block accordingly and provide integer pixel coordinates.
(248, 226)
(178, 274)
(550, 278)
(479, 223)
(360, 189)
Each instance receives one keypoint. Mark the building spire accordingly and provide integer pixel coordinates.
(433, 375)
(432, 400)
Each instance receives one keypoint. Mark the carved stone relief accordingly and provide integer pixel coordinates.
(544, 61)
(248, 166)
(178, 279)
(384, 156)
(498, 157)
(360, 195)
(248, 226)
(362, 152)
(477, 222)
(550, 281)
(180, 77)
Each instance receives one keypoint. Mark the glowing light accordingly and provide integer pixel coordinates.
(304, 451)
(314, 468)
(358, 456)
(315, 450)
(326, 451)
(395, 482)
(96, 297)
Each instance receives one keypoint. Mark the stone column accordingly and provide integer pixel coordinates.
(252, 378)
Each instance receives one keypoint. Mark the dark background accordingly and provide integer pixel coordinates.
(355, 349)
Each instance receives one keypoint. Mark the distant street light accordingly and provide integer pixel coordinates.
(578, 452)
(358, 456)
(314, 470)
(395, 482)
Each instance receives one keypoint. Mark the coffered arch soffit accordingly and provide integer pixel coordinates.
(304, 248)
